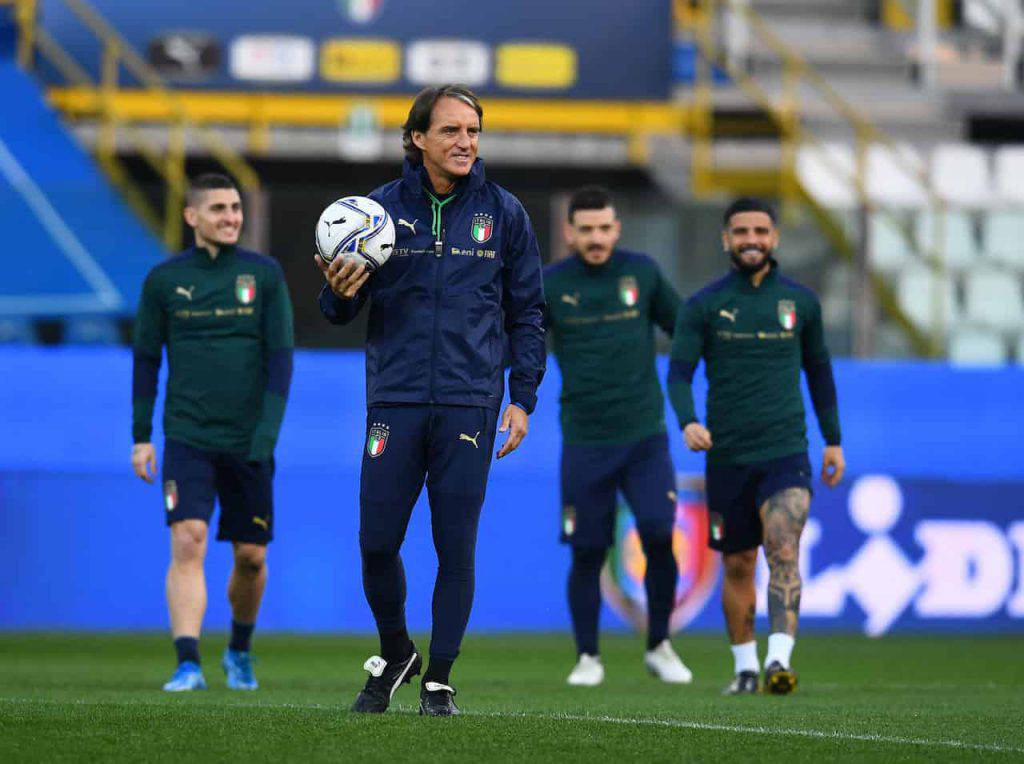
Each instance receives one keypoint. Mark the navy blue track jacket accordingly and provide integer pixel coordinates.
(465, 275)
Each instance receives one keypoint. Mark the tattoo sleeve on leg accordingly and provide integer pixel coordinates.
(784, 515)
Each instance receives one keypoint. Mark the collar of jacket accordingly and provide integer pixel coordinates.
(224, 253)
(414, 176)
(746, 281)
(605, 267)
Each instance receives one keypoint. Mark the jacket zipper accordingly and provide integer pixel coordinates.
(436, 206)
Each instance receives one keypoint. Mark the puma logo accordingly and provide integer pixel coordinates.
(261, 522)
(185, 292)
(572, 299)
(333, 222)
(465, 437)
(731, 315)
(411, 226)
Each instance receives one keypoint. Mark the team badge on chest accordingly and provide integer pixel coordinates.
(483, 227)
(245, 288)
(787, 314)
(629, 292)
(377, 439)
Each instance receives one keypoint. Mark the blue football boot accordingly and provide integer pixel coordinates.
(237, 667)
(188, 676)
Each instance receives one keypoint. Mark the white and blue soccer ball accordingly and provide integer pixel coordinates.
(356, 227)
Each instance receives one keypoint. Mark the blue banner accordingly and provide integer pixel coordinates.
(926, 534)
(531, 48)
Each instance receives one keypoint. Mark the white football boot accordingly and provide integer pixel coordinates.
(664, 664)
(588, 672)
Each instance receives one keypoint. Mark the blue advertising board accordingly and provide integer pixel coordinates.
(926, 533)
(591, 49)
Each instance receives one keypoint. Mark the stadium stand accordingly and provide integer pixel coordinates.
(893, 178)
(975, 235)
(949, 235)
(925, 296)
(1002, 234)
(72, 244)
(960, 174)
(833, 81)
(1009, 169)
(889, 246)
(976, 347)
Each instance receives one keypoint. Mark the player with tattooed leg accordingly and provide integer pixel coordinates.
(755, 330)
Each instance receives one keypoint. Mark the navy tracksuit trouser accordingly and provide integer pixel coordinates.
(450, 448)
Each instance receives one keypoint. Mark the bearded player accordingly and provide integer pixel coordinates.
(603, 306)
(755, 330)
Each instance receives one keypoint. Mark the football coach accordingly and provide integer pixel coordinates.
(464, 280)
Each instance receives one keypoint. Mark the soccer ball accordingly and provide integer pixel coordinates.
(356, 227)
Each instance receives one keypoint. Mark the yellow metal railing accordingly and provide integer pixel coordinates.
(168, 163)
(786, 112)
(901, 14)
(24, 16)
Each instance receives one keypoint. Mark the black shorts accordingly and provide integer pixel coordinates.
(592, 476)
(193, 478)
(736, 492)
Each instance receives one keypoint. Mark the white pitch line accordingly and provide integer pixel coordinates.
(54, 224)
(770, 731)
(669, 723)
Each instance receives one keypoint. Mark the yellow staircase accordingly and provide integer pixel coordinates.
(117, 130)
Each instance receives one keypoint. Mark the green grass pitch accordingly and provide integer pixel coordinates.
(68, 697)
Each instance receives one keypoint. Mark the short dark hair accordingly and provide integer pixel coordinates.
(748, 204)
(589, 198)
(423, 106)
(208, 181)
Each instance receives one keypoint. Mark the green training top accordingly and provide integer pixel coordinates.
(602, 318)
(227, 325)
(754, 340)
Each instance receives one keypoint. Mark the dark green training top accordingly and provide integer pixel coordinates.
(603, 319)
(754, 340)
(227, 325)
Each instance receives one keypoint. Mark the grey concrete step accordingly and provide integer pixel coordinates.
(876, 100)
(828, 40)
(890, 104)
(832, 9)
(877, 68)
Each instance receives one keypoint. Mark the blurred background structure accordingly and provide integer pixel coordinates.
(891, 133)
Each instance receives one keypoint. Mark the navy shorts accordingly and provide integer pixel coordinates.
(194, 478)
(736, 492)
(592, 476)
